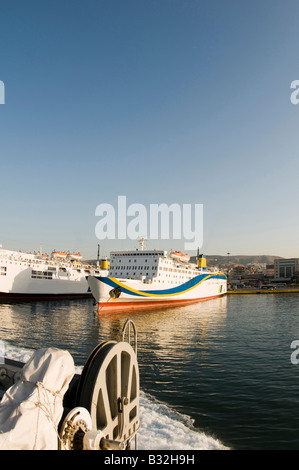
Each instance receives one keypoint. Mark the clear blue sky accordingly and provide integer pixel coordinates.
(184, 101)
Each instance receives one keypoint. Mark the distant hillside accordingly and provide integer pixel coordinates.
(238, 259)
(219, 260)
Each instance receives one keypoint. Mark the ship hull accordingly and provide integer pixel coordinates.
(141, 305)
(24, 297)
(19, 283)
(136, 295)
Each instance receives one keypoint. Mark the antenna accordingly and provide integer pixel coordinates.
(141, 242)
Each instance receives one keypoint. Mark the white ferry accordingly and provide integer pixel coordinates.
(26, 276)
(150, 278)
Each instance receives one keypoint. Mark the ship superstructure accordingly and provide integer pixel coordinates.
(36, 275)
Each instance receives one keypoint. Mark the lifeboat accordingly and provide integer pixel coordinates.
(180, 256)
(59, 254)
(75, 256)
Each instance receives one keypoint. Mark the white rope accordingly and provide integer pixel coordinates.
(48, 408)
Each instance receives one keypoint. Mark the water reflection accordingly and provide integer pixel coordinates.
(75, 325)
(224, 362)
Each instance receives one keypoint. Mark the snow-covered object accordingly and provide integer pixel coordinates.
(31, 409)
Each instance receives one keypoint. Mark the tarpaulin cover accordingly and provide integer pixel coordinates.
(31, 409)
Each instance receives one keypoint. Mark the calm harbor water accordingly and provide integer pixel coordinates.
(214, 374)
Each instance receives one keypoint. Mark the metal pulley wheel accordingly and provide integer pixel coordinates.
(109, 390)
(75, 425)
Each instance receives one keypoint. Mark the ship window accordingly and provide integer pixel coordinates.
(41, 274)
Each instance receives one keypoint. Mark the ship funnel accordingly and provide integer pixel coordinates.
(105, 264)
(202, 262)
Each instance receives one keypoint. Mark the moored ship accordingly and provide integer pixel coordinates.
(150, 278)
(26, 276)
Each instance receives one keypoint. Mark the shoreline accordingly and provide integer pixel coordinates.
(294, 290)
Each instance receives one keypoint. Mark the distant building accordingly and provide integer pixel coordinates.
(286, 268)
(270, 270)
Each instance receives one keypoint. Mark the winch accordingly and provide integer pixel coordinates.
(100, 408)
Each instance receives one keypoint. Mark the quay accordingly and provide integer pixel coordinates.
(253, 290)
